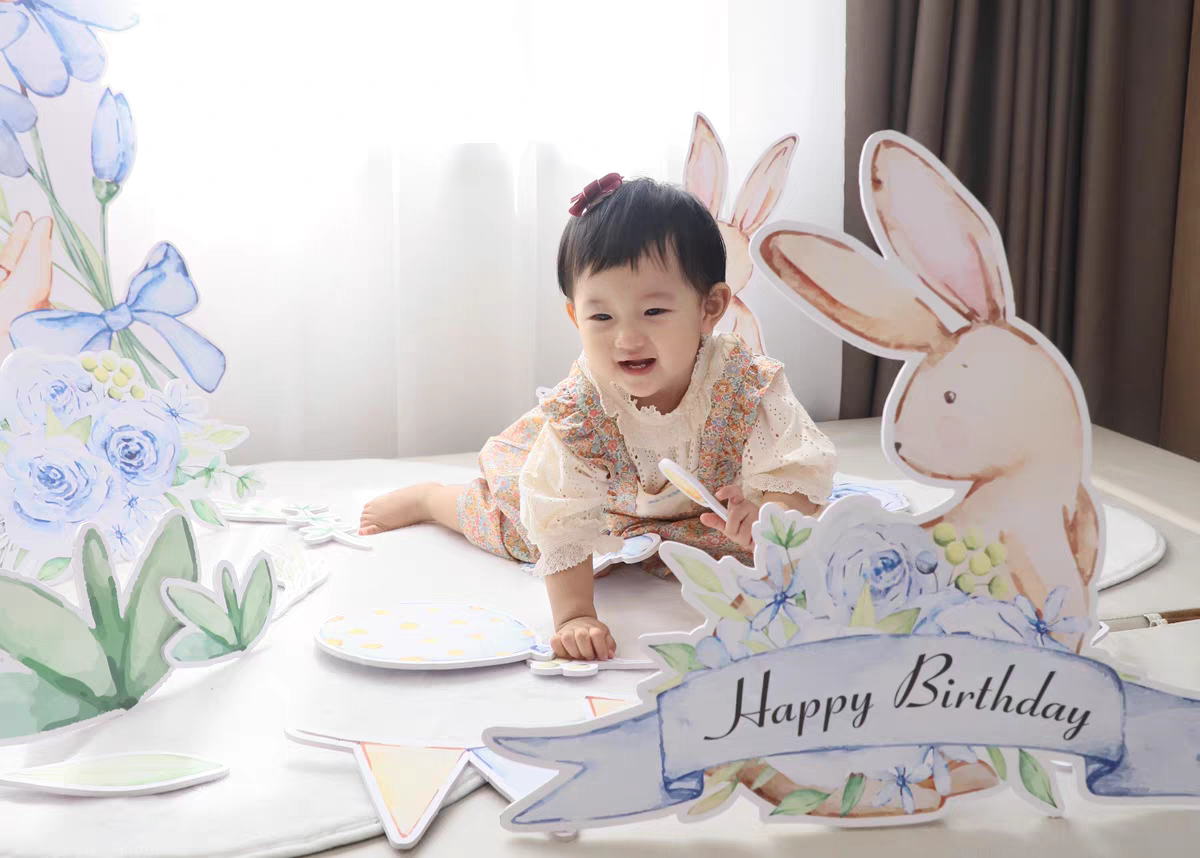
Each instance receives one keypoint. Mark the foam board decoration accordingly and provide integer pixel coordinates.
(85, 439)
(597, 707)
(429, 636)
(890, 499)
(297, 574)
(574, 668)
(117, 775)
(635, 550)
(872, 667)
(67, 664)
(1133, 546)
(691, 486)
(223, 622)
(409, 783)
(706, 175)
(68, 185)
(319, 529)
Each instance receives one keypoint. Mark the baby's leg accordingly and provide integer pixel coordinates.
(412, 505)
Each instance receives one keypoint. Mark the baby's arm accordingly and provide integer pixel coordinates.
(798, 502)
(578, 633)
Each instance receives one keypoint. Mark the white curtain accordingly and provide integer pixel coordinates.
(370, 195)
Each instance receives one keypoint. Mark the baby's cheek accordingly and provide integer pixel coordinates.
(951, 434)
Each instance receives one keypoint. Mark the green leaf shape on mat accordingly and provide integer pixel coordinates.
(864, 609)
(103, 599)
(30, 705)
(852, 792)
(256, 603)
(712, 801)
(681, 657)
(1033, 776)
(700, 573)
(130, 771)
(199, 608)
(53, 568)
(800, 802)
(207, 513)
(197, 648)
(53, 641)
(151, 624)
(998, 763)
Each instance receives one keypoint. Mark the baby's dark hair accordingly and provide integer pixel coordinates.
(640, 218)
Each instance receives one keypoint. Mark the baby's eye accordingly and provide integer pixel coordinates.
(950, 396)
(600, 317)
(654, 311)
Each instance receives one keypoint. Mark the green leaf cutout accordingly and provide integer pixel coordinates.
(172, 500)
(700, 573)
(864, 610)
(900, 622)
(227, 436)
(53, 569)
(256, 603)
(197, 648)
(998, 763)
(229, 591)
(727, 772)
(135, 771)
(720, 606)
(103, 599)
(202, 611)
(31, 705)
(1033, 776)
(800, 802)
(852, 792)
(712, 801)
(206, 513)
(756, 647)
(53, 641)
(151, 625)
(763, 777)
(681, 657)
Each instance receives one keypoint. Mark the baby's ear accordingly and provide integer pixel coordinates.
(571, 313)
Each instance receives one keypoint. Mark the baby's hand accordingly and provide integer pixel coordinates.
(584, 638)
(742, 515)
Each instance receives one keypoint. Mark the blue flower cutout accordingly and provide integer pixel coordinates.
(113, 139)
(1048, 622)
(17, 113)
(778, 596)
(723, 648)
(939, 756)
(898, 783)
(56, 42)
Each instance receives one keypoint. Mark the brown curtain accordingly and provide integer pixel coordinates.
(1181, 389)
(1065, 118)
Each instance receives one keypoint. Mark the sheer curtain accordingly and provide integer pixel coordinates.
(370, 196)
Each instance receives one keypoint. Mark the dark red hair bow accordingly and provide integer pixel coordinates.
(593, 193)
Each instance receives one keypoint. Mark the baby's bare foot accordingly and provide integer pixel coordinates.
(396, 509)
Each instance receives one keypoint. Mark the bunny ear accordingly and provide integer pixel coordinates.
(941, 232)
(705, 173)
(763, 186)
(853, 290)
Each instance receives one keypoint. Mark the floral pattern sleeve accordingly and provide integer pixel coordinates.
(562, 505)
(785, 451)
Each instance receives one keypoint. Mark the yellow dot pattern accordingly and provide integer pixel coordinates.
(431, 633)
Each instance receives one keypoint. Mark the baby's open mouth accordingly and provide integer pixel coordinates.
(635, 366)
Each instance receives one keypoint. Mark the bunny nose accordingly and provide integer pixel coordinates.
(897, 446)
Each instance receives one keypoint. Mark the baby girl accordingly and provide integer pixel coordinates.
(642, 267)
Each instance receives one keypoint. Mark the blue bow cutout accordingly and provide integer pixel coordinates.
(157, 294)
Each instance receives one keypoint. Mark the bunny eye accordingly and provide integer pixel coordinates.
(950, 396)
